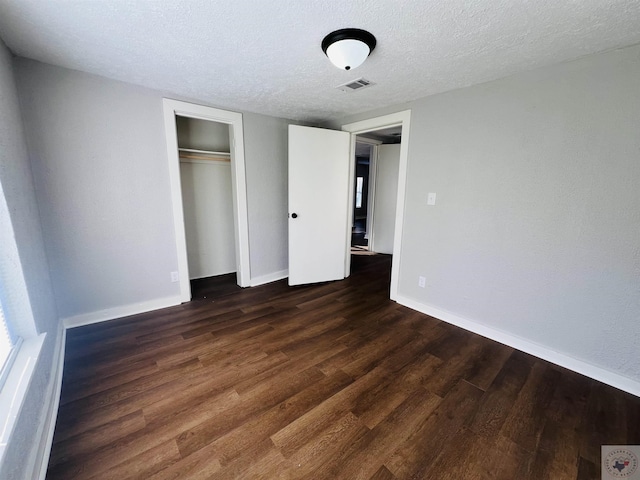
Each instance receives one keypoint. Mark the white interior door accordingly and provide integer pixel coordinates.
(319, 192)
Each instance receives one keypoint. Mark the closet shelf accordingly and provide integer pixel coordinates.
(208, 155)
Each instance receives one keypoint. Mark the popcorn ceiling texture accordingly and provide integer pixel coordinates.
(265, 57)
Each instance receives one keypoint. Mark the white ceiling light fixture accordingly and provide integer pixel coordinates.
(349, 47)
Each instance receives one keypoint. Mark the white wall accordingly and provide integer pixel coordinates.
(101, 174)
(27, 295)
(536, 231)
(386, 192)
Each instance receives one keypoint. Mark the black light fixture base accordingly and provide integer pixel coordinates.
(349, 34)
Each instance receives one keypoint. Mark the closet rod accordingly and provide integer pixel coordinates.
(208, 152)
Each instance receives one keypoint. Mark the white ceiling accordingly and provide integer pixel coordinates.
(265, 56)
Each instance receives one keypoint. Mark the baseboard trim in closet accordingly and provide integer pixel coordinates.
(270, 277)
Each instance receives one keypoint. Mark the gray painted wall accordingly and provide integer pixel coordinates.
(100, 168)
(101, 173)
(23, 266)
(536, 231)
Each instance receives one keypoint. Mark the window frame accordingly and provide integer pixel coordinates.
(18, 370)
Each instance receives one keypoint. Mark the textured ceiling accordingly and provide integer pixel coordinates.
(265, 57)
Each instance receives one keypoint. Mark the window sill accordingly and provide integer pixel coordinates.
(15, 388)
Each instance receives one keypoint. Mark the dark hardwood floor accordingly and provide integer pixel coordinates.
(332, 381)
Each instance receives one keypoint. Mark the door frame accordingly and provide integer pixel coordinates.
(171, 109)
(373, 165)
(403, 119)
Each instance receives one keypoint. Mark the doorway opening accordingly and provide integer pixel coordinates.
(322, 198)
(207, 200)
(386, 187)
(377, 158)
(200, 157)
(365, 153)
(359, 236)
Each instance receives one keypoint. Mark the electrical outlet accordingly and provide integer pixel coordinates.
(422, 282)
(175, 277)
(431, 199)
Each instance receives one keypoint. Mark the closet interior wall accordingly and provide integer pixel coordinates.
(205, 174)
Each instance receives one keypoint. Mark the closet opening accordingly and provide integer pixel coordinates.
(207, 201)
(205, 149)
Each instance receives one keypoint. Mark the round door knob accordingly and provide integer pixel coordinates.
(294, 215)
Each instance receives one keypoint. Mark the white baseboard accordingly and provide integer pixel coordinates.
(119, 312)
(43, 452)
(580, 366)
(271, 277)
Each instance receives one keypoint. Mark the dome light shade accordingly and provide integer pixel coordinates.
(348, 48)
(348, 54)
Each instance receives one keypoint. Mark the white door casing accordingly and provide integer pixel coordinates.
(171, 108)
(372, 187)
(319, 190)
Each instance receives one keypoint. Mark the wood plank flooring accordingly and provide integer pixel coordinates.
(332, 381)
